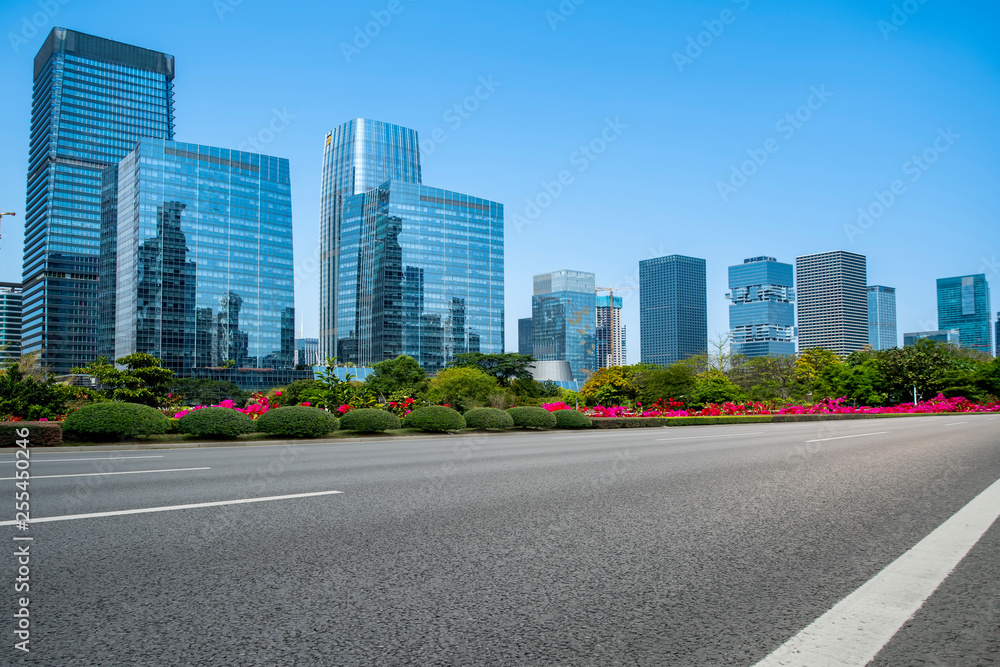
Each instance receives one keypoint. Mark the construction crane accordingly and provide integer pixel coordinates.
(611, 291)
(1, 219)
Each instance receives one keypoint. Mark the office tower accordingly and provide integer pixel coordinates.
(204, 260)
(762, 312)
(525, 336)
(996, 337)
(964, 303)
(10, 321)
(673, 309)
(358, 157)
(92, 100)
(882, 317)
(564, 320)
(832, 301)
(610, 332)
(951, 337)
(420, 273)
(307, 352)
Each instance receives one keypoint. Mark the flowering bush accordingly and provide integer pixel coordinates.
(258, 404)
(552, 407)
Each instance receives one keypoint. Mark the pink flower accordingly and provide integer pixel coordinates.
(277, 393)
(44, 419)
(307, 404)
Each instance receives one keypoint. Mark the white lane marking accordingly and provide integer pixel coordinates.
(109, 458)
(956, 423)
(144, 510)
(841, 437)
(93, 474)
(859, 626)
(700, 437)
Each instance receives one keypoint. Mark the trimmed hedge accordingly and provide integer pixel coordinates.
(369, 420)
(488, 419)
(572, 419)
(216, 422)
(528, 417)
(629, 422)
(298, 421)
(703, 421)
(435, 418)
(40, 434)
(114, 421)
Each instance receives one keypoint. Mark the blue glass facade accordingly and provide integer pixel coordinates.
(951, 337)
(882, 317)
(564, 320)
(964, 303)
(673, 309)
(420, 272)
(10, 321)
(204, 261)
(359, 156)
(762, 312)
(525, 336)
(610, 335)
(92, 100)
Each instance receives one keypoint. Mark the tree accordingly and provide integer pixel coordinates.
(503, 367)
(987, 378)
(713, 386)
(27, 397)
(400, 375)
(922, 366)
(203, 391)
(144, 379)
(461, 387)
(764, 378)
(655, 382)
(812, 362)
(611, 386)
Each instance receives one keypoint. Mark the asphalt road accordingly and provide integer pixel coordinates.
(680, 546)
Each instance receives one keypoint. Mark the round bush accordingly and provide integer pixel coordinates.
(114, 421)
(489, 419)
(528, 417)
(216, 422)
(572, 419)
(297, 421)
(369, 420)
(435, 418)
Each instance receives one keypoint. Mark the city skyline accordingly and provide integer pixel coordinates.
(830, 184)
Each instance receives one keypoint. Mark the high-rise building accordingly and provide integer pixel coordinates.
(673, 309)
(359, 156)
(420, 273)
(10, 321)
(951, 337)
(964, 303)
(882, 317)
(564, 320)
(762, 312)
(996, 337)
(307, 352)
(92, 100)
(832, 301)
(204, 260)
(525, 336)
(610, 332)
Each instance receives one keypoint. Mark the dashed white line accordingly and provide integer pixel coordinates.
(841, 437)
(701, 437)
(145, 510)
(94, 474)
(956, 423)
(108, 458)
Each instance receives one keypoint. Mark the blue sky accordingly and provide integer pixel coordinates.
(830, 102)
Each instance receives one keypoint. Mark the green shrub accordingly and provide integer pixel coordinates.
(721, 419)
(216, 422)
(40, 434)
(528, 417)
(629, 422)
(114, 421)
(297, 422)
(435, 418)
(489, 419)
(369, 420)
(174, 425)
(572, 419)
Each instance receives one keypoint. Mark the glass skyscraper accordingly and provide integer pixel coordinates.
(358, 156)
(882, 317)
(525, 336)
(204, 261)
(10, 321)
(92, 100)
(420, 273)
(564, 320)
(831, 291)
(610, 332)
(762, 312)
(964, 303)
(673, 309)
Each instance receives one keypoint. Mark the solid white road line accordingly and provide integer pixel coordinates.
(841, 437)
(144, 510)
(859, 626)
(94, 474)
(956, 423)
(109, 458)
(702, 437)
